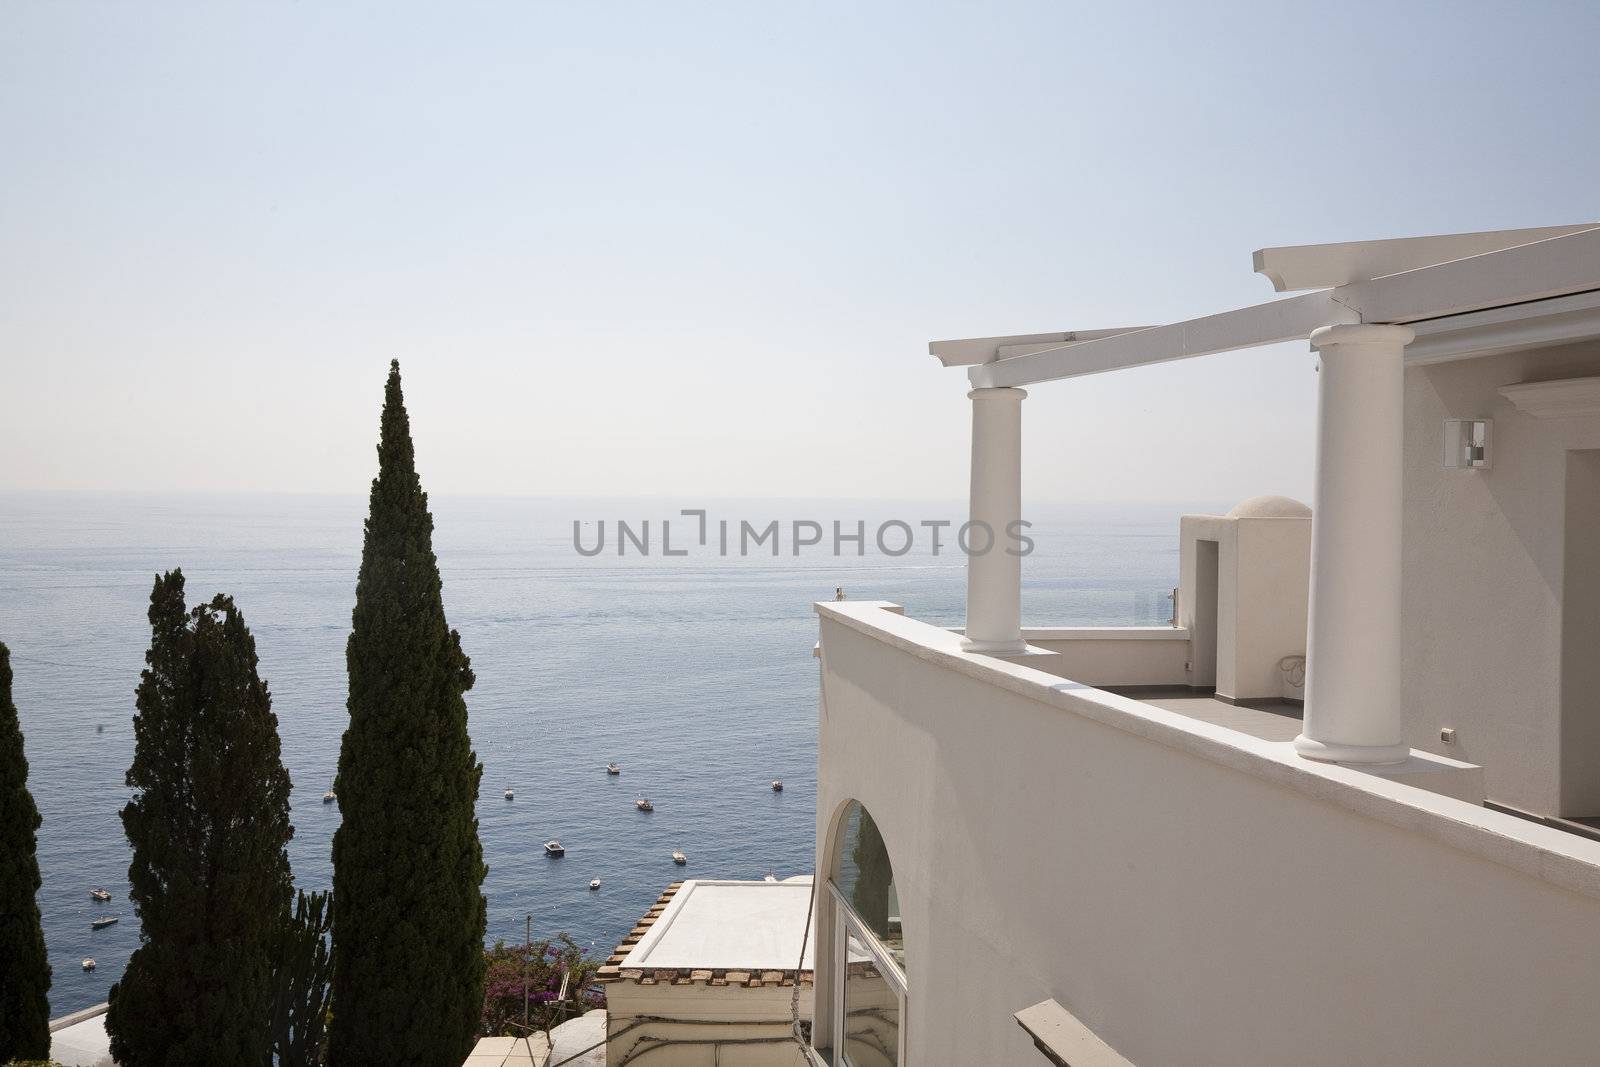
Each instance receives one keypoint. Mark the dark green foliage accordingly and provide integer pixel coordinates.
(302, 982)
(208, 823)
(408, 909)
(24, 966)
(870, 896)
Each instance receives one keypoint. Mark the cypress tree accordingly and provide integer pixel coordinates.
(24, 966)
(209, 826)
(408, 908)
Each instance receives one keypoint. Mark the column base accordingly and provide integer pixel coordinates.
(1364, 754)
(994, 648)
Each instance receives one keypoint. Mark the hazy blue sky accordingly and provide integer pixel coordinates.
(697, 248)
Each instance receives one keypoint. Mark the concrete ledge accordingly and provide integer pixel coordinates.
(78, 1017)
(1064, 1039)
(1550, 855)
(1105, 633)
(80, 1039)
(1570, 826)
(1436, 774)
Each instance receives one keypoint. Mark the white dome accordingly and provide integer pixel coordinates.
(1270, 507)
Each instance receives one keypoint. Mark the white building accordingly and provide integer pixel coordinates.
(1133, 842)
(716, 972)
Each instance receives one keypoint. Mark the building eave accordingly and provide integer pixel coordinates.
(1296, 268)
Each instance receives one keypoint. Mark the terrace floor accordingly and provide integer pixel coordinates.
(1278, 721)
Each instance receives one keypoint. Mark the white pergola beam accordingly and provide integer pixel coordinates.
(1261, 324)
(967, 351)
(1556, 267)
(1298, 267)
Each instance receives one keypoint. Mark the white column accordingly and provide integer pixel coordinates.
(994, 576)
(1352, 712)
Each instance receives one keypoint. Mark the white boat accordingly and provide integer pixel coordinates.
(102, 922)
(554, 848)
(594, 884)
(613, 768)
(777, 786)
(100, 894)
(643, 804)
(88, 963)
(679, 858)
(328, 797)
(510, 795)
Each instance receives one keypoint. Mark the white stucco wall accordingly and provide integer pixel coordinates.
(1483, 575)
(1196, 897)
(1263, 578)
(700, 1025)
(1143, 655)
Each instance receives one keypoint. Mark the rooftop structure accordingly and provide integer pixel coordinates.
(1346, 808)
(80, 1039)
(711, 970)
(717, 925)
(531, 1051)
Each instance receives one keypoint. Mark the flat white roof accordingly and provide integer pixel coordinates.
(715, 925)
(80, 1039)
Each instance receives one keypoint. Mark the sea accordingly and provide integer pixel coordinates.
(693, 671)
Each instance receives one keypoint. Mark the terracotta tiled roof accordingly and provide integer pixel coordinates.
(613, 971)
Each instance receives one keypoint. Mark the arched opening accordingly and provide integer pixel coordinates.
(868, 989)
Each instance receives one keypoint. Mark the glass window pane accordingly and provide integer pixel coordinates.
(866, 880)
(871, 1011)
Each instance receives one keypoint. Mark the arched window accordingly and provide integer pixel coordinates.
(869, 957)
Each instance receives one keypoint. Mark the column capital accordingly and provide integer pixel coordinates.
(1361, 333)
(1001, 393)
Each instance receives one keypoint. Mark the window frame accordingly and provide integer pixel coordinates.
(847, 923)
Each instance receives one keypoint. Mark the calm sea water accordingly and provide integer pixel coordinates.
(694, 673)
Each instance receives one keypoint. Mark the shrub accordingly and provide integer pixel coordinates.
(544, 962)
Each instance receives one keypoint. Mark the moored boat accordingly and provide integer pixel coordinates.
(643, 804)
(679, 858)
(613, 768)
(554, 848)
(102, 922)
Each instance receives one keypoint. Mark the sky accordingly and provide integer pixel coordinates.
(698, 249)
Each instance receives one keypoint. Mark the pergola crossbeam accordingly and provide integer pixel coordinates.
(1556, 267)
(1261, 324)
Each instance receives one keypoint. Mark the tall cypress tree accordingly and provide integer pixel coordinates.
(408, 908)
(24, 966)
(209, 826)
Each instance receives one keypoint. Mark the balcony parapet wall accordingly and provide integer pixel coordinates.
(1550, 855)
(1192, 894)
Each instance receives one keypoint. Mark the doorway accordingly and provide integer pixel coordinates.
(1580, 638)
(1203, 624)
